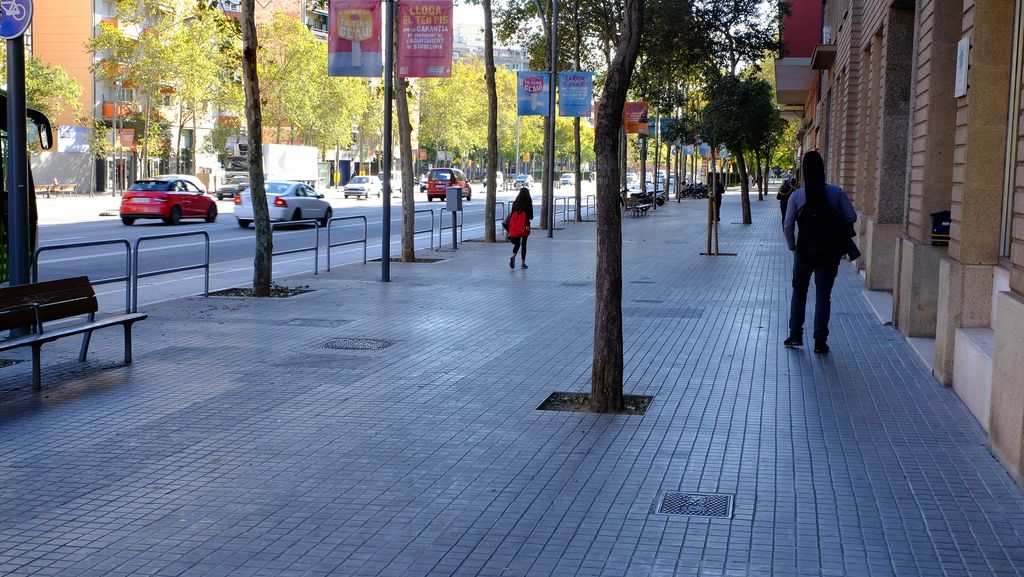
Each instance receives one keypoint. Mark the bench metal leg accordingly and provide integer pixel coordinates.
(36, 377)
(85, 346)
(128, 343)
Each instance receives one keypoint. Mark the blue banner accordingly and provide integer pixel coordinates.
(532, 93)
(575, 94)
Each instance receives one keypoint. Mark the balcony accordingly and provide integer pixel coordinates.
(124, 109)
(823, 57)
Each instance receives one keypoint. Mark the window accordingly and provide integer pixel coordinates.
(1012, 135)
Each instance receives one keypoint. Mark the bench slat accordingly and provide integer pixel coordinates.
(54, 334)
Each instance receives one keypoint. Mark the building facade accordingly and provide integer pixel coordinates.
(917, 107)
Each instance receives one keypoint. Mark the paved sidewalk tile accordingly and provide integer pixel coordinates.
(237, 444)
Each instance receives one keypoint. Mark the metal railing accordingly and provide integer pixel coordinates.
(416, 231)
(591, 205)
(441, 227)
(126, 278)
(331, 244)
(135, 263)
(316, 245)
(564, 200)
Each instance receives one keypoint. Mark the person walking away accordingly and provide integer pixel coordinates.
(788, 185)
(519, 226)
(823, 217)
(719, 191)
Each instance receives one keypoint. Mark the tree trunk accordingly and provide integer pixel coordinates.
(546, 170)
(263, 263)
(577, 42)
(492, 124)
(405, 159)
(606, 375)
(744, 187)
(759, 179)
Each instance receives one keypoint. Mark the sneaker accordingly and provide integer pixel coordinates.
(524, 267)
(512, 263)
(794, 340)
(821, 346)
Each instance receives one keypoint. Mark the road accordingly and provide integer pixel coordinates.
(232, 248)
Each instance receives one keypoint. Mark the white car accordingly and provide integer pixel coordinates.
(287, 201)
(568, 178)
(187, 177)
(363, 187)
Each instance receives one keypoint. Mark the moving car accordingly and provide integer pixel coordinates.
(396, 182)
(232, 187)
(287, 201)
(524, 180)
(363, 187)
(439, 179)
(188, 178)
(568, 178)
(169, 198)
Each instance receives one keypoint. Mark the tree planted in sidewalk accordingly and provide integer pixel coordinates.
(606, 376)
(263, 262)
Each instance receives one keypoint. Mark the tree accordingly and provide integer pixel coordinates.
(606, 376)
(492, 122)
(263, 263)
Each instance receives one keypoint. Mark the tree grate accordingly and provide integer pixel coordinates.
(356, 344)
(696, 504)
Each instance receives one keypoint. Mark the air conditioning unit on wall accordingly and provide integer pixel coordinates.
(826, 35)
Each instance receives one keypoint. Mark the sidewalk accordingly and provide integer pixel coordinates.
(241, 443)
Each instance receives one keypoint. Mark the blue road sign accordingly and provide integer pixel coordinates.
(15, 16)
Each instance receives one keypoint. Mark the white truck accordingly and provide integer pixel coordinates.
(280, 162)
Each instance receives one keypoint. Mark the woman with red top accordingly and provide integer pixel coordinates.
(519, 225)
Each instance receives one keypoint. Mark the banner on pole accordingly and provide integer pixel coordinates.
(354, 38)
(635, 118)
(533, 91)
(575, 94)
(425, 38)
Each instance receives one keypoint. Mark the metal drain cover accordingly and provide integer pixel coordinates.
(356, 344)
(696, 504)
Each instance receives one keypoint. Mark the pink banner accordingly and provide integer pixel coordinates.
(353, 41)
(425, 38)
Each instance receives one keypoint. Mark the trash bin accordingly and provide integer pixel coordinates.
(940, 228)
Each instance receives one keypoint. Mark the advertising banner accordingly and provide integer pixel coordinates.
(575, 94)
(533, 91)
(425, 38)
(72, 139)
(354, 38)
(635, 118)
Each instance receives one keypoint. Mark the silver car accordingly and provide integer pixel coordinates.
(363, 187)
(287, 201)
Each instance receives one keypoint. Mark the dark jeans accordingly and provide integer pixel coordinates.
(516, 241)
(824, 278)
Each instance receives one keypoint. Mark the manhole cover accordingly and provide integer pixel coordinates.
(356, 344)
(696, 504)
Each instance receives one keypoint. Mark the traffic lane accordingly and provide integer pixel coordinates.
(228, 242)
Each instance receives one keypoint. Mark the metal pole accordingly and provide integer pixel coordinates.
(519, 167)
(551, 118)
(389, 81)
(19, 227)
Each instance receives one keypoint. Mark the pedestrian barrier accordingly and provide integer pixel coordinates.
(441, 228)
(591, 205)
(126, 278)
(363, 240)
(565, 206)
(421, 231)
(136, 275)
(316, 245)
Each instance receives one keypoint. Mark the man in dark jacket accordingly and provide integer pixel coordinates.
(719, 191)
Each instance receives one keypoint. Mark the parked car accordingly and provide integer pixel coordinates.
(524, 180)
(439, 179)
(232, 187)
(568, 178)
(632, 177)
(169, 198)
(287, 201)
(363, 187)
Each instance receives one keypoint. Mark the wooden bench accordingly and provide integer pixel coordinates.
(636, 206)
(56, 189)
(28, 307)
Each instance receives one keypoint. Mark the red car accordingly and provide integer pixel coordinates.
(167, 198)
(439, 179)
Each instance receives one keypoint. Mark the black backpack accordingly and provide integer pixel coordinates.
(822, 232)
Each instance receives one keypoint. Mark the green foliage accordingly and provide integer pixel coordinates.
(48, 89)
(740, 112)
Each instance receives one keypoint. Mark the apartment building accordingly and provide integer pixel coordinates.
(59, 33)
(916, 107)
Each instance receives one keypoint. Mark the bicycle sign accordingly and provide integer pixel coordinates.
(15, 16)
